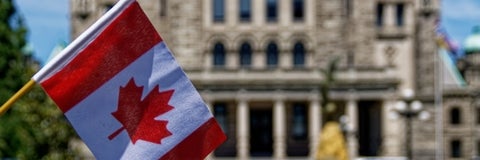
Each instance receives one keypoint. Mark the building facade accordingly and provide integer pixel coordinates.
(462, 104)
(258, 65)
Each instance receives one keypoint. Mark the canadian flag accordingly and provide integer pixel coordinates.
(125, 95)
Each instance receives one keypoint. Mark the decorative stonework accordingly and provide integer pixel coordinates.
(390, 53)
(83, 8)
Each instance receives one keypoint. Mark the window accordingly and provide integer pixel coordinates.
(82, 5)
(348, 8)
(218, 10)
(245, 10)
(297, 137)
(455, 116)
(299, 122)
(218, 55)
(220, 113)
(163, 8)
(272, 10)
(456, 149)
(298, 10)
(478, 118)
(84, 8)
(298, 55)
(478, 148)
(245, 55)
(400, 16)
(379, 19)
(426, 3)
(272, 55)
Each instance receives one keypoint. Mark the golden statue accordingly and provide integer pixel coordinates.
(332, 143)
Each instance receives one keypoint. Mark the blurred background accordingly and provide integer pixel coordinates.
(392, 79)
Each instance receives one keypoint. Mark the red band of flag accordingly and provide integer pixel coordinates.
(110, 53)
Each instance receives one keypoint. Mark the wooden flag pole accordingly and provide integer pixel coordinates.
(27, 87)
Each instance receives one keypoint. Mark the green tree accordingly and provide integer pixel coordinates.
(34, 128)
(12, 40)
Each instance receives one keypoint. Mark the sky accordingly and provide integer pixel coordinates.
(458, 17)
(48, 22)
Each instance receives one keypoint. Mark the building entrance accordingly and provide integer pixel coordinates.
(369, 128)
(261, 138)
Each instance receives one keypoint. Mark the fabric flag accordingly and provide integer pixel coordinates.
(444, 41)
(121, 89)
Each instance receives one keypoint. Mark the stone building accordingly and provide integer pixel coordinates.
(257, 63)
(462, 105)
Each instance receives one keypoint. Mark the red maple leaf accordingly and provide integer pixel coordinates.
(137, 116)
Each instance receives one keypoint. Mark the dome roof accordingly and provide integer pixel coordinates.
(472, 43)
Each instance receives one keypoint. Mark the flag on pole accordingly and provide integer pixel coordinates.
(121, 89)
(444, 41)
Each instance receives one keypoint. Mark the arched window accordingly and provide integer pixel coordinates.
(218, 10)
(218, 55)
(245, 55)
(272, 55)
(455, 116)
(298, 55)
(455, 148)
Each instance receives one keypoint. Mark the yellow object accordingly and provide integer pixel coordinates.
(332, 143)
(16, 96)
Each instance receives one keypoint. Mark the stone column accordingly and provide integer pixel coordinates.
(352, 112)
(258, 60)
(285, 16)
(409, 17)
(315, 122)
(208, 13)
(231, 59)
(393, 130)
(258, 13)
(242, 130)
(279, 125)
(310, 6)
(231, 12)
(389, 16)
(208, 65)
